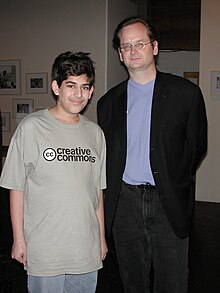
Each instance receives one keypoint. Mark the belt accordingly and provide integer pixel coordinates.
(145, 186)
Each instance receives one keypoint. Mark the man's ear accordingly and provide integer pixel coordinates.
(55, 87)
(155, 48)
(120, 55)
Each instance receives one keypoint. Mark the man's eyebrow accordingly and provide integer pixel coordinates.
(136, 41)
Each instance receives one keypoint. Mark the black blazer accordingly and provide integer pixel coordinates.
(178, 142)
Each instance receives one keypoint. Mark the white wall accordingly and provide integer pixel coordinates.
(208, 176)
(36, 31)
(178, 62)
(116, 13)
(205, 61)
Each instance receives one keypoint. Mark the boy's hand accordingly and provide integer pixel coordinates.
(104, 248)
(19, 251)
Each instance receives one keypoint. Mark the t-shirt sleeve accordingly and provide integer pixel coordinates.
(13, 173)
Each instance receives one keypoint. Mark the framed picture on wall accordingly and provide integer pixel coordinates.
(36, 83)
(192, 76)
(22, 108)
(215, 83)
(5, 121)
(10, 77)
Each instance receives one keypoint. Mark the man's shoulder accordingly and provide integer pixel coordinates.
(115, 90)
(174, 80)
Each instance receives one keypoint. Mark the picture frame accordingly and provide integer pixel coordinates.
(22, 107)
(215, 83)
(36, 83)
(192, 76)
(5, 121)
(10, 77)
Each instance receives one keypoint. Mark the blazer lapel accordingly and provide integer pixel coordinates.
(120, 115)
(159, 105)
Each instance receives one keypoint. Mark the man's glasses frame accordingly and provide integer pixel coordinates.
(137, 46)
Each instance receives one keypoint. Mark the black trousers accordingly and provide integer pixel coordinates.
(143, 237)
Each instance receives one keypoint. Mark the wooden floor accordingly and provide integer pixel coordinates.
(204, 258)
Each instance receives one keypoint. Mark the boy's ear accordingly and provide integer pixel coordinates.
(55, 87)
(91, 91)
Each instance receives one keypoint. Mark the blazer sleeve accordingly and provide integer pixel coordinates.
(197, 130)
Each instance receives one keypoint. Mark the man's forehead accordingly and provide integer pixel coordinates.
(134, 28)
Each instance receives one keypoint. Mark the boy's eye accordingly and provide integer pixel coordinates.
(71, 86)
(86, 87)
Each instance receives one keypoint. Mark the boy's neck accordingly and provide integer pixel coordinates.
(64, 117)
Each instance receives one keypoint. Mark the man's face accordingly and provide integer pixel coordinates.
(137, 59)
(73, 94)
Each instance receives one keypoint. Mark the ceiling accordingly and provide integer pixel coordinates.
(178, 22)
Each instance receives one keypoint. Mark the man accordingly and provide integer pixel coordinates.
(156, 133)
(55, 170)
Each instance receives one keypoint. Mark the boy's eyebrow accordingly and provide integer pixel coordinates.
(72, 82)
(69, 81)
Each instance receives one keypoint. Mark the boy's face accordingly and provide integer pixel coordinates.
(73, 94)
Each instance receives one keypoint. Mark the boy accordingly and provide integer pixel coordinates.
(55, 170)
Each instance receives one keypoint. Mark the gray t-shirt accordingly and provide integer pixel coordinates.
(61, 169)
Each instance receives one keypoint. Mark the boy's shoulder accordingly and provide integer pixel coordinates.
(33, 117)
(93, 126)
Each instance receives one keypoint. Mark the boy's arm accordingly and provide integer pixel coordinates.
(100, 215)
(17, 216)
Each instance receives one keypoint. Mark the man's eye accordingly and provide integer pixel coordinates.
(140, 45)
(86, 88)
(127, 47)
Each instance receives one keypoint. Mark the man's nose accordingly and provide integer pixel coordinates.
(133, 49)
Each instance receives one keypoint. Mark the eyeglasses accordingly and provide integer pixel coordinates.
(137, 46)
